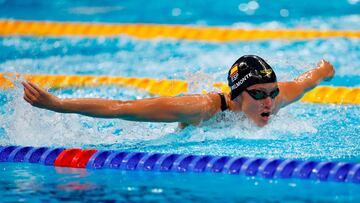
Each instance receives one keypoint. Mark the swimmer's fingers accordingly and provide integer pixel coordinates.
(33, 96)
(330, 76)
(30, 89)
(37, 88)
(329, 69)
(39, 97)
(28, 100)
(29, 97)
(29, 94)
(321, 63)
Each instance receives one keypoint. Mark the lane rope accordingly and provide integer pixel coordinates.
(163, 87)
(152, 31)
(270, 168)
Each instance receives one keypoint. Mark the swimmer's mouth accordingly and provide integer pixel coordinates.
(265, 114)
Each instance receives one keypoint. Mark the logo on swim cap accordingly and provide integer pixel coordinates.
(266, 72)
(241, 81)
(233, 69)
(234, 72)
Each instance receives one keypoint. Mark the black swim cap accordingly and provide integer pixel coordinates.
(249, 70)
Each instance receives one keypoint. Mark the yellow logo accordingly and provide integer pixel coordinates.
(266, 72)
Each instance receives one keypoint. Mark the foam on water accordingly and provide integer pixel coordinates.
(27, 125)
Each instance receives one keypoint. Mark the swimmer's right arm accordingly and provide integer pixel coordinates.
(189, 109)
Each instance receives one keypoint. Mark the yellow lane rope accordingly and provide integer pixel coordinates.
(151, 31)
(321, 94)
(153, 86)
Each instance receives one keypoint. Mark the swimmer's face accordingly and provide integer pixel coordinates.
(259, 110)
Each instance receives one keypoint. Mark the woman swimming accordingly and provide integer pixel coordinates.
(255, 91)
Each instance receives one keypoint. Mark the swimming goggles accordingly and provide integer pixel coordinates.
(260, 94)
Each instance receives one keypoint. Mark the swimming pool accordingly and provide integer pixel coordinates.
(304, 131)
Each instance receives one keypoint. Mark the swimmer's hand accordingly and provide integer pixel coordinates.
(39, 97)
(327, 68)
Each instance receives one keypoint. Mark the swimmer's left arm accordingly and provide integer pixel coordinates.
(293, 90)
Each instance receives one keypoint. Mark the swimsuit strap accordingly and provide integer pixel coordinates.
(223, 105)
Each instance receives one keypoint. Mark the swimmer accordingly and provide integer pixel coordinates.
(255, 91)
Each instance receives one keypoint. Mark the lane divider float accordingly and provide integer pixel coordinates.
(152, 31)
(162, 87)
(271, 168)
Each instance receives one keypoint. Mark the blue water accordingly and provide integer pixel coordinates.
(302, 130)
(42, 183)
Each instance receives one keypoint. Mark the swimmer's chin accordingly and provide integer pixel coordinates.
(261, 123)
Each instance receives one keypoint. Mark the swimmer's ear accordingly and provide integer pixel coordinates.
(238, 98)
(230, 94)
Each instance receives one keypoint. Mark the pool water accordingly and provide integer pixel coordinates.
(31, 182)
(330, 14)
(306, 131)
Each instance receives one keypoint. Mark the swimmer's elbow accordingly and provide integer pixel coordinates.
(163, 109)
(146, 111)
(291, 92)
(126, 110)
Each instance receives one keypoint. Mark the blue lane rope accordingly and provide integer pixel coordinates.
(266, 168)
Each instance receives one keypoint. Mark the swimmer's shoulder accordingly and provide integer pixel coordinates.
(219, 101)
(213, 106)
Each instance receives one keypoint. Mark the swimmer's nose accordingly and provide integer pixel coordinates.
(267, 102)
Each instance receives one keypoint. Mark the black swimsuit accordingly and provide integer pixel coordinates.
(223, 105)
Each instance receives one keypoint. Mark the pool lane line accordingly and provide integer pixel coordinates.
(153, 31)
(163, 87)
(270, 168)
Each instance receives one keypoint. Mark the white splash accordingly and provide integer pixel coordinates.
(29, 126)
